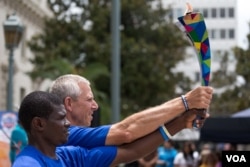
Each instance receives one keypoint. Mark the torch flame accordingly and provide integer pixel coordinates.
(189, 8)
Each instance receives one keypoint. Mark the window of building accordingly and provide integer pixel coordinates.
(205, 13)
(212, 33)
(222, 33)
(222, 12)
(231, 12)
(231, 34)
(214, 12)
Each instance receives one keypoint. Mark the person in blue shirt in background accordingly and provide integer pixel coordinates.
(43, 117)
(18, 140)
(78, 99)
(166, 154)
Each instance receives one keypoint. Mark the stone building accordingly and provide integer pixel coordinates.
(31, 14)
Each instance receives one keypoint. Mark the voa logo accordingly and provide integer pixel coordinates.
(236, 158)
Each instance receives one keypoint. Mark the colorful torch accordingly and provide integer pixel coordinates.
(193, 24)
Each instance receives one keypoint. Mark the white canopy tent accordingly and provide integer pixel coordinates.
(187, 134)
(243, 113)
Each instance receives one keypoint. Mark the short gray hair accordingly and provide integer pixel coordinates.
(67, 86)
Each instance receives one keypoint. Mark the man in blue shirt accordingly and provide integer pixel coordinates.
(79, 102)
(43, 117)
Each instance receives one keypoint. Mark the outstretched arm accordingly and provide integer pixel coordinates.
(143, 146)
(146, 121)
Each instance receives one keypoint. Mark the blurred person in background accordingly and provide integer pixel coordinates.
(209, 159)
(205, 149)
(187, 157)
(166, 154)
(230, 147)
(18, 141)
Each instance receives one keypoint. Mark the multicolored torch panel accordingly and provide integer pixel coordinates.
(195, 27)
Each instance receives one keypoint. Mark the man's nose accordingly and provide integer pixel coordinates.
(95, 105)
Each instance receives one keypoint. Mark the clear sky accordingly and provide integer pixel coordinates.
(244, 19)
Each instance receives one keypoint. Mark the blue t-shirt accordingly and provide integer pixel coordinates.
(167, 155)
(67, 156)
(87, 137)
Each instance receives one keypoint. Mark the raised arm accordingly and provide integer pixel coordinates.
(146, 121)
(143, 146)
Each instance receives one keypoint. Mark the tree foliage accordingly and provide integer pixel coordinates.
(236, 98)
(80, 43)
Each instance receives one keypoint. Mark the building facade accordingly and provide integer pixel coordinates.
(222, 19)
(31, 14)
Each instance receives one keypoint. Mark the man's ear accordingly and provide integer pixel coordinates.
(38, 123)
(68, 104)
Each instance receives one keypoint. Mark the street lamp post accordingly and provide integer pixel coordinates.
(13, 30)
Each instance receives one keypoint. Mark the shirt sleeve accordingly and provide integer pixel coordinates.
(81, 157)
(26, 161)
(88, 137)
(101, 156)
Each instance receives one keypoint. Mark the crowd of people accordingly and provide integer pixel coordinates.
(185, 154)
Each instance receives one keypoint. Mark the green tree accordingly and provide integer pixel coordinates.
(242, 69)
(222, 80)
(236, 98)
(151, 45)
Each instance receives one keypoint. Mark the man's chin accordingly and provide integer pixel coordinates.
(89, 124)
(90, 120)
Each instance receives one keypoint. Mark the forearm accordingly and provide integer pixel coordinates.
(137, 149)
(144, 122)
(147, 144)
(175, 125)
